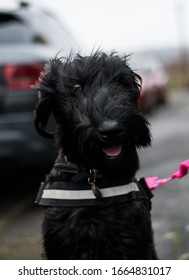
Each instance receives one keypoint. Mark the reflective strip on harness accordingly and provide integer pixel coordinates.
(87, 194)
(72, 195)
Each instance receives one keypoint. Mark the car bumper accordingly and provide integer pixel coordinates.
(20, 145)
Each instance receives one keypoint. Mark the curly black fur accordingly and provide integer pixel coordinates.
(94, 100)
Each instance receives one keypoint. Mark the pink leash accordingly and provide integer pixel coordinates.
(154, 182)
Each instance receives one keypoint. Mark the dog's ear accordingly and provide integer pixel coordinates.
(135, 84)
(142, 133)
(42, 113)
(46, 87)
(119, 70)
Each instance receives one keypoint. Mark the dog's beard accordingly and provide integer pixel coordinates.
(110, 158)
(120, 161)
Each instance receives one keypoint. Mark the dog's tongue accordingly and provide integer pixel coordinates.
(113, 151)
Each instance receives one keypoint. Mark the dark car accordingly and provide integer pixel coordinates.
(28, 39)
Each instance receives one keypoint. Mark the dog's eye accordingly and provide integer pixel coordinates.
(76, 88)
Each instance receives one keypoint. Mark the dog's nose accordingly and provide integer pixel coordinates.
(110, 129)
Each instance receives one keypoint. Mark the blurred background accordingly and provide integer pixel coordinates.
(156, 35)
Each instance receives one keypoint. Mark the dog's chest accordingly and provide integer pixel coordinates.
(98, 232)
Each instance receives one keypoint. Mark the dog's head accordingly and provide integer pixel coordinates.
(94, 101)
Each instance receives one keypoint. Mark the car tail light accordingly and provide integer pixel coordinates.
(21, 77)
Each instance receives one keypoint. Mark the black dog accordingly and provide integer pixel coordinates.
(94, 206)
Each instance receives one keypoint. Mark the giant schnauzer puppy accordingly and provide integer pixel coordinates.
(94, 208)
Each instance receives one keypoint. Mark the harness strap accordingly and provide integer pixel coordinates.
(69, 194)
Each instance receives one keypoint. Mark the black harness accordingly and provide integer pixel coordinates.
(78, 192)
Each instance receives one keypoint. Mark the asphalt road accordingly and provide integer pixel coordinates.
(170, 213)
(20, 219)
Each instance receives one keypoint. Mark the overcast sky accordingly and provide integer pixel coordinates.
(124, 25)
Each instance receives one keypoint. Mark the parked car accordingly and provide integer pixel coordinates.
(154, 80)
(29, 37)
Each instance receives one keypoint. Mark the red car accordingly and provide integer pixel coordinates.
(154, 80)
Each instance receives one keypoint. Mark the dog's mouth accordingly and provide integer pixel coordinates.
(113, 151)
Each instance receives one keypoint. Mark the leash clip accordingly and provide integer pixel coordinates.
(92, 180)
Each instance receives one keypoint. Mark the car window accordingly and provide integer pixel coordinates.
(48, 30)
(13, 30)
(34, 27)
